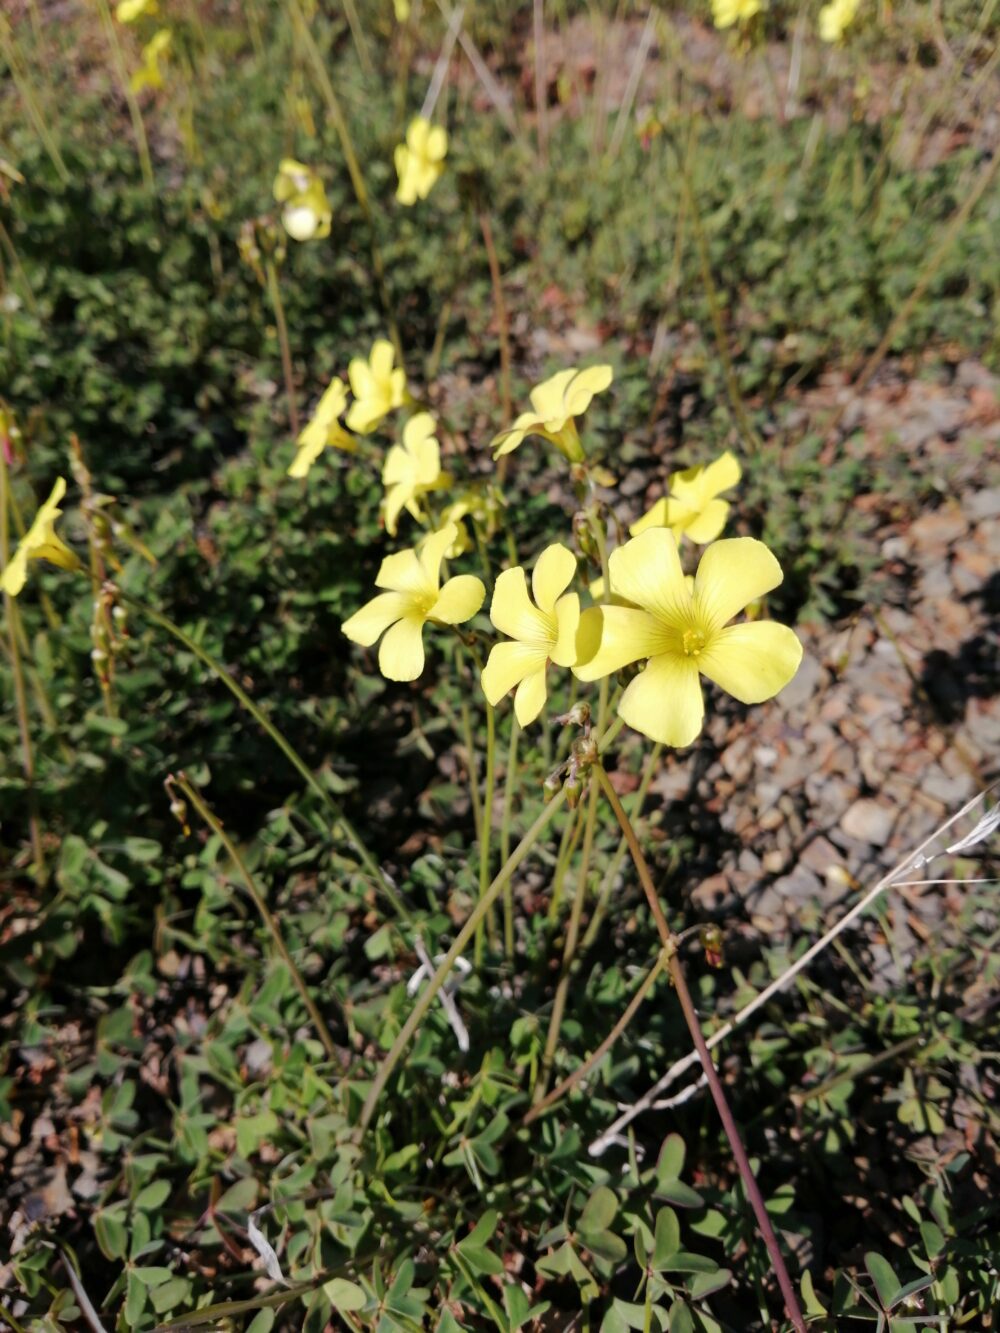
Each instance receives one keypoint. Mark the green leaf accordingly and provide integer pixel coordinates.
(679, 1194)
(153, 1196)
(886, 1281)
(685, 1262)
(344, 1295)
(599, 1210)
(667, 1237)
(262, 1322)
(933, 1238)
(670, 1162)
(681, 1319)
(812, 1303)
(703, 1285)
(481, 1232)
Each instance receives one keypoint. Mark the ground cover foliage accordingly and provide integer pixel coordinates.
(761, 234)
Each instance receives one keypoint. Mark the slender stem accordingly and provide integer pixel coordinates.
(191, 794)
(614, 865)
(541, 87)
(353, 166)
(569, 949)
(581, 1072)
(469, 746)
(22, 82)
(567, 846)
(134, 111)
(381, 880)
(486, 827)
(427, 995)
(20, 694)
(277, 305)
(694, 1027)
(509, 785)
(503, 324)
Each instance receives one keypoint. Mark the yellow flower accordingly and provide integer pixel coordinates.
(556, 402)
(402, 10)
(40, 543)
(420, 161)
(456, 513)
(727, 12)
(307, 214)
(149, 74)
(691, 506)
(377, 388)
(413, 597)
(541, 633)
(129, 10)
(684, 633)
(412, 469)
(323, 431)
(835, 18)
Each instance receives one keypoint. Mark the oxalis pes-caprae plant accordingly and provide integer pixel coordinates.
(637, 621)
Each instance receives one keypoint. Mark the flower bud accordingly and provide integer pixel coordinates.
(573, 787)
(552, 786)
(711, 942)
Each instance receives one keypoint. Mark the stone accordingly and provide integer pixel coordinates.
(868, 821)
(798, 886)
(806, 682)
(983, 504)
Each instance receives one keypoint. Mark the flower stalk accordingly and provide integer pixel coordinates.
(729, 1125)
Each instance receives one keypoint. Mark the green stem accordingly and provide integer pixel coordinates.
(427, 995)
(430, 991)
(20, 694)
(567, 846)
(134, 111)
(677, 976)
(180, 782)
(486, 829)
(277, 305)
(581, 1072)
(22, 82)
(615, 864)
(569, 950)
(380, 879)
(353, 166)
(470, 764)
(509, 785)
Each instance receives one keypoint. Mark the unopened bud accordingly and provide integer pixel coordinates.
(711, 942)
(552, 786)
(573, 787)
(578, 716)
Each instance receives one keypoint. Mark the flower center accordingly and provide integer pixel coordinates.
(693, 641)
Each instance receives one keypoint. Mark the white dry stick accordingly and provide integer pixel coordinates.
(632, 87)
(912, 862)
(443, 60)
(264, 1247)
(426, 969)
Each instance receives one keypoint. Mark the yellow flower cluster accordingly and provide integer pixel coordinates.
(676, 628)
(836, 17)
(420, 160)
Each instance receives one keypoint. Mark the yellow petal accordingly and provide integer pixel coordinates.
(611, 637)
(16, 573)
(401, 652)
(417, 134)
(563, 652)
(723, 474)
(512, 611)
(311, 442)
(530, 696)
(381, 359)
(332, 402)
(552, 575)
(732, 574)
(707, 525)
(654, 518)
(647, 571)
(300, 221)
(752, 662)
(664, 702)
(375, 617)
(432, 552)
(459, 600)
(398, 466)
(583, 386)
(548, 399)
(437, 144)
(362, 380)
(403, 572)
(406, 192)
(417, 429)
(395, 498)
(507, 665)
